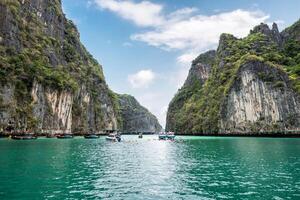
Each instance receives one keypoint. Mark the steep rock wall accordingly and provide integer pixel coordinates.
(201, 68)
(257, 102)
(198, 74)
(52, 108)
(49, 82)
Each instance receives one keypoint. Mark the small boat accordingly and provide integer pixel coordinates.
(23, 137)
(140, 135)
(166, 136)
(91, 136)
(65, 136)
(115, 137)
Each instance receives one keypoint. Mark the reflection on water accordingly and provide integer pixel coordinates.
(188, 168)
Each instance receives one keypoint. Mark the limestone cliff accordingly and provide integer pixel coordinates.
(252, 85)
(261, 99)
(136, 118)
(198, 74)
(49, 81)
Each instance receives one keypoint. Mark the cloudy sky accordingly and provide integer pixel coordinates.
(146, 47)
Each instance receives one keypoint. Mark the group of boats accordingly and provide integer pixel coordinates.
(113, 136)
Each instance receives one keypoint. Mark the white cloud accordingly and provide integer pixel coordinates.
(199, 32)
(141, 79)
(184, 29)
(181, 13)
(144, 13)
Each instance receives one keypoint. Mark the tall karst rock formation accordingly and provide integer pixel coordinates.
(49, 81)
(247, 85)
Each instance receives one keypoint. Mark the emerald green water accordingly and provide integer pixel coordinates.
(188, 168)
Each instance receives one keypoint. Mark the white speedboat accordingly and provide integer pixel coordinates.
(115, 137)
(166, 136)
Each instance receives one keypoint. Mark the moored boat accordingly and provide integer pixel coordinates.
(65, 136)
(23, 137)
(91, 136)
(166, 136)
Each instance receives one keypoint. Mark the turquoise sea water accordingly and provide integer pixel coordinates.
(188, 168)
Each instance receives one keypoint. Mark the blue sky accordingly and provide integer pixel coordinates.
(145, 47)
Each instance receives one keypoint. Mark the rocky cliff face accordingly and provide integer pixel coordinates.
(49, 82)
(201, 68)
(262, 99)
(136, 118)
(253, 85)
(198, 74)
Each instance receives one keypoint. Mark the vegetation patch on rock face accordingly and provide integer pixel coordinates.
(117, 107)
(292, 62)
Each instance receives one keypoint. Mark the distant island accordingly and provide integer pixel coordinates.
(248, 86)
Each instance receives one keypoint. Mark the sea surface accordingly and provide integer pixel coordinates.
(140, 169)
